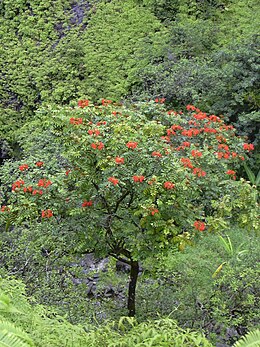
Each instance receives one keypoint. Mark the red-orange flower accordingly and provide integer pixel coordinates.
(199, 172)
(138, 178)
(5, 208)
(47, 213)
(44, 183)
(196, 153)
(119, 160)
(156, 154)
(248, 146)
(23, 167)
(230, 172)
(154, 210)
(168, 185)
(39, 163)
(190, 108)
(187, 163)
(106, 102)
(87, 203)
(76, 121)
(113, 180)
(201, 226)
(95, 132)
(83, 103)
(131, 145)
(35, 191)
(17, 184)
(98, 145)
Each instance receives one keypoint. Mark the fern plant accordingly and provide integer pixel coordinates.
(252, 339)
(12, 336)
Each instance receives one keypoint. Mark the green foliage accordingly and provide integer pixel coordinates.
(121, 39)
(201, 51)
(206, 287)
(198, 172)
(234, 303)
(43, 325)
(10, 335)
(48, 56)
(251, 339)
(163, 332)
(41, 57)
(48, 329)
(128, 181)
(170, 10)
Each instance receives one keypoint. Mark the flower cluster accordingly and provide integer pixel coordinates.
(196, 153)
(224, 152)
(154, 211)
(5, 208)
(47, 213)
(28, 189)
(187, 163)
(231, 173)
(162, 100)
(190, 132)
(191, 108)
(83, 103)
(199, 172)
(87, 203)
(113, 180)
(17, 184)
(34, 192)
(168, 185)
(106, 102)
(23, 167)
(156, 154)
(131, 145)
(95, 132)
(101, 123)
(201, 226)
(119, 160)
(138, 178)
(44, 183)
(98, 145)
(39, 163)
(248, 147)
(76, 121)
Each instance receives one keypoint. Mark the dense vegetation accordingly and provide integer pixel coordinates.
(110, 175)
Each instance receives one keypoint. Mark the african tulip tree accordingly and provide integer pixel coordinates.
(136, 180)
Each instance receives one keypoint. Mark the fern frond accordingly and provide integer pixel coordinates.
(252, 339)
(12, 336)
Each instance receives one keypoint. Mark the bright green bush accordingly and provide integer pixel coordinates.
(44, 327)
(48, 329)
(47, 55)
(121, 39)
(212, 286)
(40, 57)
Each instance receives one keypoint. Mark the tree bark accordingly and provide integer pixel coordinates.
(132, 286)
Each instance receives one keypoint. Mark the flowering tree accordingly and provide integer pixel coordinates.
(136, 180)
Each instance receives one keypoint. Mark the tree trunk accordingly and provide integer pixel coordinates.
(132, 286)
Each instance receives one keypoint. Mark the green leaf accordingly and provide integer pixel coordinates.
(257, 181)
(252, 339)
(250, 174)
